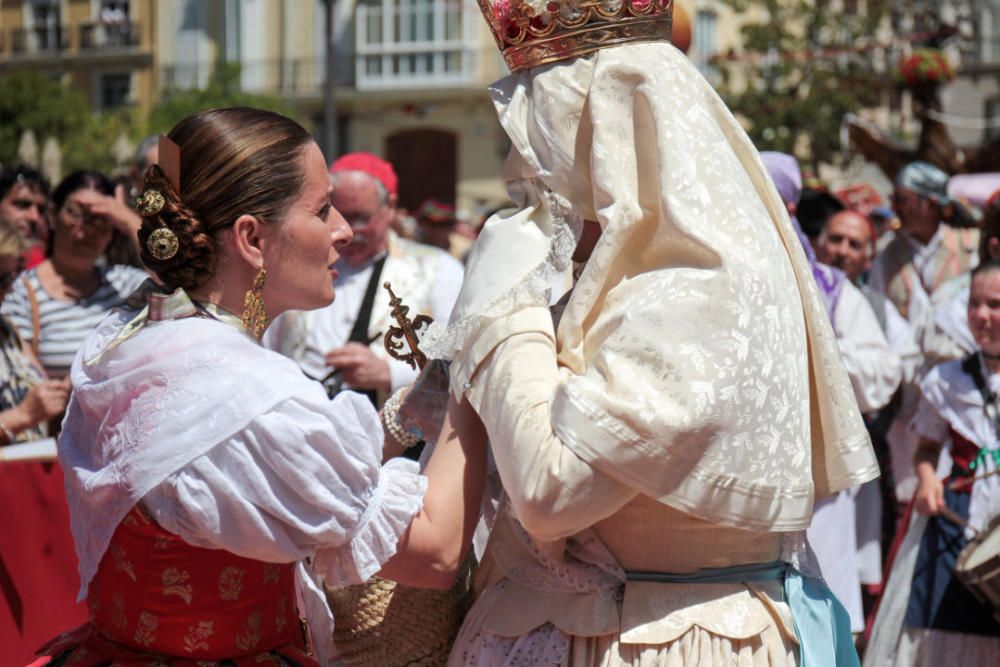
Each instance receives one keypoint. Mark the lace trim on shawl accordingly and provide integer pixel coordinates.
(445, 342)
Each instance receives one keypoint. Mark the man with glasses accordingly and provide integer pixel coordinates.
(342, 343)
(24, 200)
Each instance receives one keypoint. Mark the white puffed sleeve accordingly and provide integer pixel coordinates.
(928, 422)
(300, 481)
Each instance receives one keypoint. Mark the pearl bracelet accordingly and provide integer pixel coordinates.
(390, 420)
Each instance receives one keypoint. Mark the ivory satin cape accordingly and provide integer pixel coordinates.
(697, 363)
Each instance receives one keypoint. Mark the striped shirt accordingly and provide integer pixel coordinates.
(64, 323)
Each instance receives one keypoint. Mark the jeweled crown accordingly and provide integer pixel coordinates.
(535, 32)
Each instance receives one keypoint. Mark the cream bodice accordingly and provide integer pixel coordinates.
(647, 535)
(577, 584)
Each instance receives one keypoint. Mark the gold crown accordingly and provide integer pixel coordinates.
(535, 32)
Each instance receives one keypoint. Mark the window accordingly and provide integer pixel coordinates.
(415, 43)
(115, 90)
(705, 40)
(44, 21)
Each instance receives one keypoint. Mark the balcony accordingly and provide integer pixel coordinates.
(105, 35)
(38, 41)
(410, 44)
(292, 78)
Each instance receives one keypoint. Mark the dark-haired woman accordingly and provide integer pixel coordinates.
(927, 616)
(210, 483)
(34, 532)
(56, 304)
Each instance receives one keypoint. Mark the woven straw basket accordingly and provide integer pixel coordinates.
(383, 624)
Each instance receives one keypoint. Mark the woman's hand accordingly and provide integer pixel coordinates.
(113, 209)
(45, 400)
(426, 403)
(929, 498)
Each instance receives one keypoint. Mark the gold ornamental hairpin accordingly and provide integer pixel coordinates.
(406, 333)
(150, 202)
(162, 244)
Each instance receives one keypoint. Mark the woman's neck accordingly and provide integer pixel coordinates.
(74, 271)
(218, 297)
(68, 278)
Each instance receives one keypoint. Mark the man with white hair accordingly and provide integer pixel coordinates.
(342, 343)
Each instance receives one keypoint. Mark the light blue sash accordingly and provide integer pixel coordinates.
(822, 625)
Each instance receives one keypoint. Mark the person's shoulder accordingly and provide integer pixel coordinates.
(415, 250)
(896, 245)
(955, 288)
(948, 375)
(124, 278)
(17, 298)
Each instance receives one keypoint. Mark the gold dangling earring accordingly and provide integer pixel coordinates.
(254, 317)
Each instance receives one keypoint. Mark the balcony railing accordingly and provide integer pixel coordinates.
(108, 35)
(38, 40)
(416, 44)
(288, 77)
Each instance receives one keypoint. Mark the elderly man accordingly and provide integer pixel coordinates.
(926, 252)
(847, 242)
(24, 198)
(875, 374)
(342, 343)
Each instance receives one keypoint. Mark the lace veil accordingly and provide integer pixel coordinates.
(697, 360)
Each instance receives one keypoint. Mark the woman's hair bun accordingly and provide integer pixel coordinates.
(194, 262)
(232, 162)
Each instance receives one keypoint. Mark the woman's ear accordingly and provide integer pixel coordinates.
(246, 234)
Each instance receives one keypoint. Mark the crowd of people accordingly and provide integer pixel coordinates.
(907, 320)
(688, 423)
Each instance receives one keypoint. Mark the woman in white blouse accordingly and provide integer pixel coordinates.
(57, 303)
(210, 483)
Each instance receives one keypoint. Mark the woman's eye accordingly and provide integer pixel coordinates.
(323, 212)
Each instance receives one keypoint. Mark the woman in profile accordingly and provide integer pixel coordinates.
(209, 482)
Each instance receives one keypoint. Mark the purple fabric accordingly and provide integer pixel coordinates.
(784, 171)
(975, 188)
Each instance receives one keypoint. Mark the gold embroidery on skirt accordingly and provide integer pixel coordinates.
(282, 619)
(231, 583)
(197, 636)
(175, 583)
(249, 636)
(118, 618)
(145, 631)
(121, 563)
(272, 573)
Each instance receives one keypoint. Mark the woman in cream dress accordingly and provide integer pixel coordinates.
(662, 439)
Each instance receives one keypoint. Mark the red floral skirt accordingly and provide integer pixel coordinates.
(158, 600)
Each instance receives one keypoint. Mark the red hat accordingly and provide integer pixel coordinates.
(369, 164)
